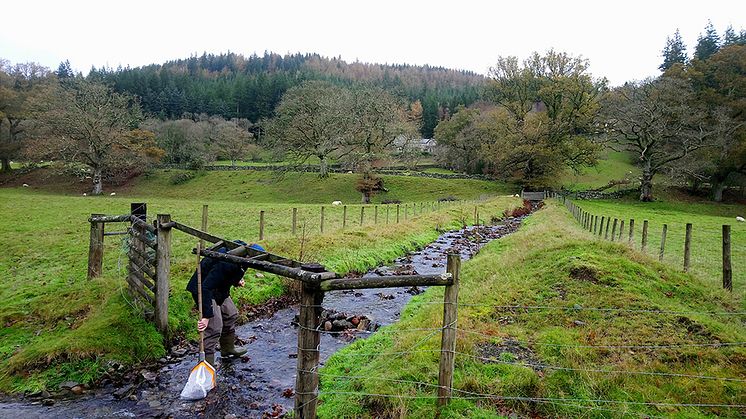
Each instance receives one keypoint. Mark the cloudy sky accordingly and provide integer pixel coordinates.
(622, 39)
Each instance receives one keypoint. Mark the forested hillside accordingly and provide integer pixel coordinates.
(234, 86)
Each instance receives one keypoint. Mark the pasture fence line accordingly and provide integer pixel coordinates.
(587, 221)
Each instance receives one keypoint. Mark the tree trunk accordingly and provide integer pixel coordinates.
(646, 186)
(5, 165)
(98, 186)
(717, 191)
(366, 197)
(323, 167)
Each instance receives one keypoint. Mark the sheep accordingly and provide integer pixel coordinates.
(112, 194)
(25, 185)
(349, 172)
(740, 219)
(85, 194)
(337, 203)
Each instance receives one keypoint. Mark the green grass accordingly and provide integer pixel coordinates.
(550, 262)
(614, 165)
(254, 186)
(707, 220)
(58, 326)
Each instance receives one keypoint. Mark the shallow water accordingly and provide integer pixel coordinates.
(262, 384)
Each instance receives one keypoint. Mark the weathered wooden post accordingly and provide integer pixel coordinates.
(644, 236)
(595, 224)
(375, 214)
(261, 225)
(727, 268)
(96, 248)
(163, 269)
(601, 227)
(631, 231)
(309, 338)
(621, 229)
(406, 211)
(613, 230)
(448, 336)
(295, 220)
(608, 224)
(663, 243)
(362, 215)
(322, 219)
(687, 246)
(344, 216)
(387, 213)
(421, 205)
(397, 213)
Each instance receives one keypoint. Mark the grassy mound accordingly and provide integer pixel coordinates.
(554, 355)
(58, 326)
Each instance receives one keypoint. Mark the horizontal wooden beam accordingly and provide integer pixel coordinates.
(151, 244)
(143, 224)
(143, 280)
(386, 282)
(138, 287)
(110, 218)
(116, 233)
(203, 235)
(261, 265)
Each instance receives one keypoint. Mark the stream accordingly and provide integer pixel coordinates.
(260, 385)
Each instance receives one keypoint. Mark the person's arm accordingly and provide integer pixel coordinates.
(209, 282)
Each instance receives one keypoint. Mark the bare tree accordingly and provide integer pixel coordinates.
(310, 122)
(231, 140)
(85, 122)
(658, 120)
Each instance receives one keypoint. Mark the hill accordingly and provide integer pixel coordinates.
(234, 86)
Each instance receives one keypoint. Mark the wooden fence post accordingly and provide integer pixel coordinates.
(309, 338)
(375, 214)
(406, 211)
(387, 213)
(96, 248)
(397, 213)
(295, 220)
(663, 243)
(631, 231)
(608, 224)
(344, 216)
(261, 225)
(448, 336)
(621, 229)
(644, 235)
(163, 270)
(613, 230)
(601, 226)
(362, 215)
(687, 246)
(322, 219)
(727, 268)
(595, 224)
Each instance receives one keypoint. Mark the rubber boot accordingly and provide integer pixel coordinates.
(228, 346)
(210, 358)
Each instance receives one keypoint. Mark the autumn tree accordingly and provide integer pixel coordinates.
(374, 120)
(20, 85)
(550, 102)
(659, 122)
(85, 122)
(230, 138)
(311, 121)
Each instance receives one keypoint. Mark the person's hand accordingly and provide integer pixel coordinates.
(241, 283)
(202, 324)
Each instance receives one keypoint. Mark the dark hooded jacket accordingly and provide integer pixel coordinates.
(217, 279)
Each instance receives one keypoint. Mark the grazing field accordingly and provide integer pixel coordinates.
(59, 326)
(707, 220)
(613, 165)
(554, 322)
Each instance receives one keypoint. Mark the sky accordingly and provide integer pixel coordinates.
(621, 39)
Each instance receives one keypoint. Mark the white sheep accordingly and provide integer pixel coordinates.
(25, 185)
(112, 194)
(349, 172)
(85, 194)
(337, 203)
(740, 219)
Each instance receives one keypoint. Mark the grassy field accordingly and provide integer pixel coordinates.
(613, 165)
(707, 220)
(59, 326)
(556, 349)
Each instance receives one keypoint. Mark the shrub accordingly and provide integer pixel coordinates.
(182, 177)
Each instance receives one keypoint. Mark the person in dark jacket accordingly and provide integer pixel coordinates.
(219, 313)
